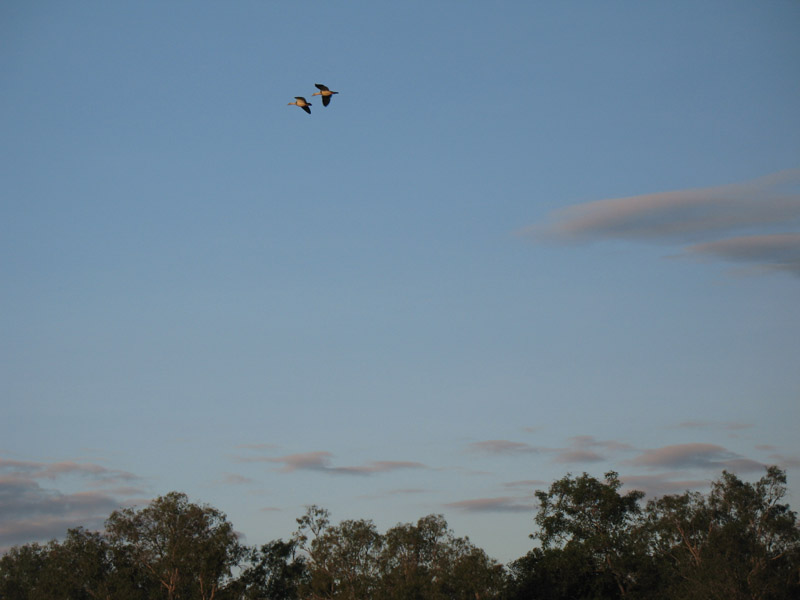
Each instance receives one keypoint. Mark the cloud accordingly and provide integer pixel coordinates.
(655, 486)
(258, 446)
(397, 492)
(585, 448)
(31, 512)
(776, 252)
(501, 504)
(527, 483)
(305, 461)
(381, 466)
(235, 479)
(706, 218)
(727, 425)
(698, 456)
(93, 471)
(578, 456)
(785, 461)
(581, 449)
(503, 447)
(321, 461)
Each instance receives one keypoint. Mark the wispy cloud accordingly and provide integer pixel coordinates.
(782, 460)
(585, 448)
(501, 504)
(581, 449)
(725, 425)
(262, 446)
(29, 511)
(526, 483)
(706, 218)
(664, 483)
(320, 461)
(695, 456)
(504, 447)
(235, 479)
(776, 252)
(44, 470)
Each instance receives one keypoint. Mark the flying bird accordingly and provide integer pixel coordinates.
(325, 93)
(301, 102)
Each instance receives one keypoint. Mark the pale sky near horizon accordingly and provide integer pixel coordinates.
(524, 239)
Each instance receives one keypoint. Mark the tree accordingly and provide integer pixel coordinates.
(422, 561)
(427, 561)
(82, 567)
(21, 572)
(740, 541)
(594, 527)
(274, 572)
(342, 559)
(187, 549)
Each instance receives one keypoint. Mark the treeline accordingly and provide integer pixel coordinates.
(592, 542)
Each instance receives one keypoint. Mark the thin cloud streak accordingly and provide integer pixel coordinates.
(501, 504)
(776, 252)
(235, 479)
(655, 486)
(727, 425)
(320, 461)
(504, 447)
(581, 449)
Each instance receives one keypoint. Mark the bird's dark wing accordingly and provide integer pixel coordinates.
(299, 98)
(305, 108)
(326, 100)
(321, 87)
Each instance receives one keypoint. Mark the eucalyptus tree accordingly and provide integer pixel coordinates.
(594, 525)
(273, 571)
(739, 541)
(188, 550)
(427, 561)
(342, 559)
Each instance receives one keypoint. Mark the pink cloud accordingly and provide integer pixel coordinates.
(501, 504)
(705, 217)
(683, 214)
(321, 461)
(697, 455)
(305, 461)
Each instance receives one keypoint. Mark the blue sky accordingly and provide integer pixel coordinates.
(524, 239)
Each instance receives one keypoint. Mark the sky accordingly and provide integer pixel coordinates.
(525, 239)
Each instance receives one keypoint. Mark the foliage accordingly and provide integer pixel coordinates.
(592, 522)
(738, 542)
(427, 561)
(274, 572)
(188, 549)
